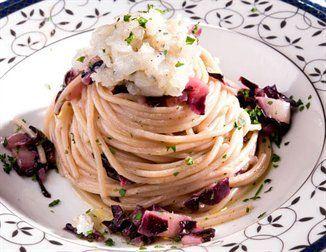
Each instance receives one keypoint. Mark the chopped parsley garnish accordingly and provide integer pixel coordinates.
(173, 147)
(18, 128)
(286, 143)
(190, 40)
(236, 126)
(81, 59)
(113, 151)
(89, 232)
(224, 156)
(253, 9)
(309, 97)
(142, 248)
(5, 142)
(275, 158)
(247, 210)
(130, 38)
(88, 211)
(259, 190)
(103, 50)
(189, 161)
(158, 246)
(8, 162)
(161, 11)
(175, 173)
(195, 29)
(138, 216)
(267, 181)
(66, 151)
(126, 18)
(244, 92)
(254, 114)
(109, 242)
(122, 192)
(142, 22)
(301, 108)
(177, 239)
(54, 203)
(308, 105)
(179, 64)
(165, 52)
(269, 102)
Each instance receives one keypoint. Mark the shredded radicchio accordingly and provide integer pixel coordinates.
(25, 160)
(209, 196)
(194, 95)
(143, 227)
(93, 236)
(112, 173)
(267, 106)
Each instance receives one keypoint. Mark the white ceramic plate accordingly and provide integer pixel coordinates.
(28, 88)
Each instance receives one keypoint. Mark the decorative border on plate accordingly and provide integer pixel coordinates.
(252, 18)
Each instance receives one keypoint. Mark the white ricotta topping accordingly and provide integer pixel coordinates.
(156, 54)
(84, 224)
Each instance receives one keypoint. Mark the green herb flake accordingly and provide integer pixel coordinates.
(122, 192)
(195, 29)
(286, 143)
(81, 59)
(142, 22)
(190, 40)
(138, 216)
(245, 200)
(5, 142)
(130, 38)
(113, 151)
(247, 210)
(54, 203)
(259, 190)
(165, 52)
(254, 114)
(161, 11)
(109, 242)
(158, 246)
(173, 147)
(309, 97)
(89, 232)
(224, 156)
(301, 108)
(177, 239)
(179, 64)
(126, 18)
(175, 173)
(308, 105)
(8, 162)
(66, 152)
(275, 158)
(88, 211)
(267, 181)
(253, 9)
(142, 248)
(18, 128)
(189, 161)
(269, 102)
(261, 215)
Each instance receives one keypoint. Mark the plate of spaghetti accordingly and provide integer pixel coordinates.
(163, 131)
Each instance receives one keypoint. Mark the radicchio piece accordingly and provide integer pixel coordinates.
(275, 108)
(26, 159)
(112, 173)
(210, 196)
(18, 140)
(152, 224)
(198, 236)
(196, 92)
(70, 76)
(94, 236)
(143, 227)
(93, 65)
